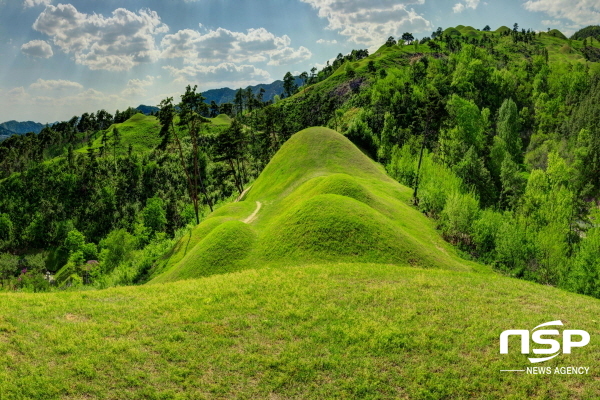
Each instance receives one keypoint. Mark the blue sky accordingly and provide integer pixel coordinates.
(63, 59)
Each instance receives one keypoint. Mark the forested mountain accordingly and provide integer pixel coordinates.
(227, 95)
(592, 30)
(147, 109)
(5, 133)
(22, 127)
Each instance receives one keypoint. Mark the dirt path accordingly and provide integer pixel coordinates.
(241, 196)
(252, 216)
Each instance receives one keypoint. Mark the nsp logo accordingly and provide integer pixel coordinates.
(568, 341)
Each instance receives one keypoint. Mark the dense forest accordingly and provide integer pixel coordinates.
(496, 131)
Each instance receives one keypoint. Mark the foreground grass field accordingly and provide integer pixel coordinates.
(311, 332)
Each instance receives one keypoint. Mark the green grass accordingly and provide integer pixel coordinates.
(312, 332)
(221, 119)
(322, 200)
(140, 131)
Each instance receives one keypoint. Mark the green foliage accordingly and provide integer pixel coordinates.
(509, 130)
(592, 30)
(458, 216)
(584, 275)
(8, 267)
(116, 248)
(467, 131)
(74, 241)
(154, 215)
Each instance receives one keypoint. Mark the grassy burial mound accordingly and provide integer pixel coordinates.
(319, 200)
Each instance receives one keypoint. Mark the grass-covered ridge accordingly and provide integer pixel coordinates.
(320, 199)
(312, 332)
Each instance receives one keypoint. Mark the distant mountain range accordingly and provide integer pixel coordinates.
(219, 96)
(227, 95)
(21, 128)
(10, 128)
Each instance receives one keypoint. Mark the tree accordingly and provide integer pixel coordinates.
(74, 241)
(154, 215)
(238, 101)
(289, 84)
(515, 27)
(438, 34)
(116, 141)
(487, 28)
(6, 229)
(214, 109)
(513, 185)
(304, 77)
(350, 72)
(371, 67)
(313, 74)
(475, 176)
(390, 41)
(191, 109)
(508, 128)
(191, 120)
(433, 45)
(230, 149)
(407, 37)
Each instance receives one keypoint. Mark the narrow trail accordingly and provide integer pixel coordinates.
(252, 216)
(241, 196)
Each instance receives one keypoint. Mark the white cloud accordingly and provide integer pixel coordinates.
(17, 94)
(222, 45)
(323, 41)
(460, 7)
(58, 105)
(37, 48)
(137, 87)
(287, 56)
(114, 43)
(581, 12)
(368, 22)
(225, 73)
(33, 3)
(551, 23)
(60, 84)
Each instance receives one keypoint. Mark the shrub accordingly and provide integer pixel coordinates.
(458, 216)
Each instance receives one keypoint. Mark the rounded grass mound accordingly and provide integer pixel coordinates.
(310, 153)
(340, 184)
(336, 228)
(566, 49)
(452, 32)
(321, 201)
(219, 252)
(557, 33)
(221, 119)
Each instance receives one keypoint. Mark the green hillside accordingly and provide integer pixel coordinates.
(140, 131)
(321, 200)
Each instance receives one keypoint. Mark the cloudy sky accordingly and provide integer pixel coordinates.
(62, 59)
